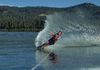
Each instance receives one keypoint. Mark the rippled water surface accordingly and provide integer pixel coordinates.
(17, 50)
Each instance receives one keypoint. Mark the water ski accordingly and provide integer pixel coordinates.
(42, 46)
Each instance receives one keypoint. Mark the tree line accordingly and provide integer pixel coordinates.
(21, 23)
(23, 18)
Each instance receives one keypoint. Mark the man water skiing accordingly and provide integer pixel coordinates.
(51, 41)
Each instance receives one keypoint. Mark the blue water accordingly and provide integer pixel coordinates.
(17, 50)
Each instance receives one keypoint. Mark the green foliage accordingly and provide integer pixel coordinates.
(23, 18)
(32, 18)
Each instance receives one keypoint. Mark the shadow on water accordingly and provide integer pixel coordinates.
(73, 58)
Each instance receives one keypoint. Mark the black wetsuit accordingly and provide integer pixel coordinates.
(51, 41)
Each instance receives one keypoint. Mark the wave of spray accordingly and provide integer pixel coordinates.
(79, 28)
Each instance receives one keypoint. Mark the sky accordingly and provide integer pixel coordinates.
(48, 3)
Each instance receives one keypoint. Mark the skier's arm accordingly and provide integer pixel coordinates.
(52, 34)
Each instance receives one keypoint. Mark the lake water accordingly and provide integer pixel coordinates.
(17, 50)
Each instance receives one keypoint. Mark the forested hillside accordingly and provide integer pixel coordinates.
(32, 18)
(23, 18)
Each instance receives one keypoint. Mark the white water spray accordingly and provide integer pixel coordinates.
(80, 30)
